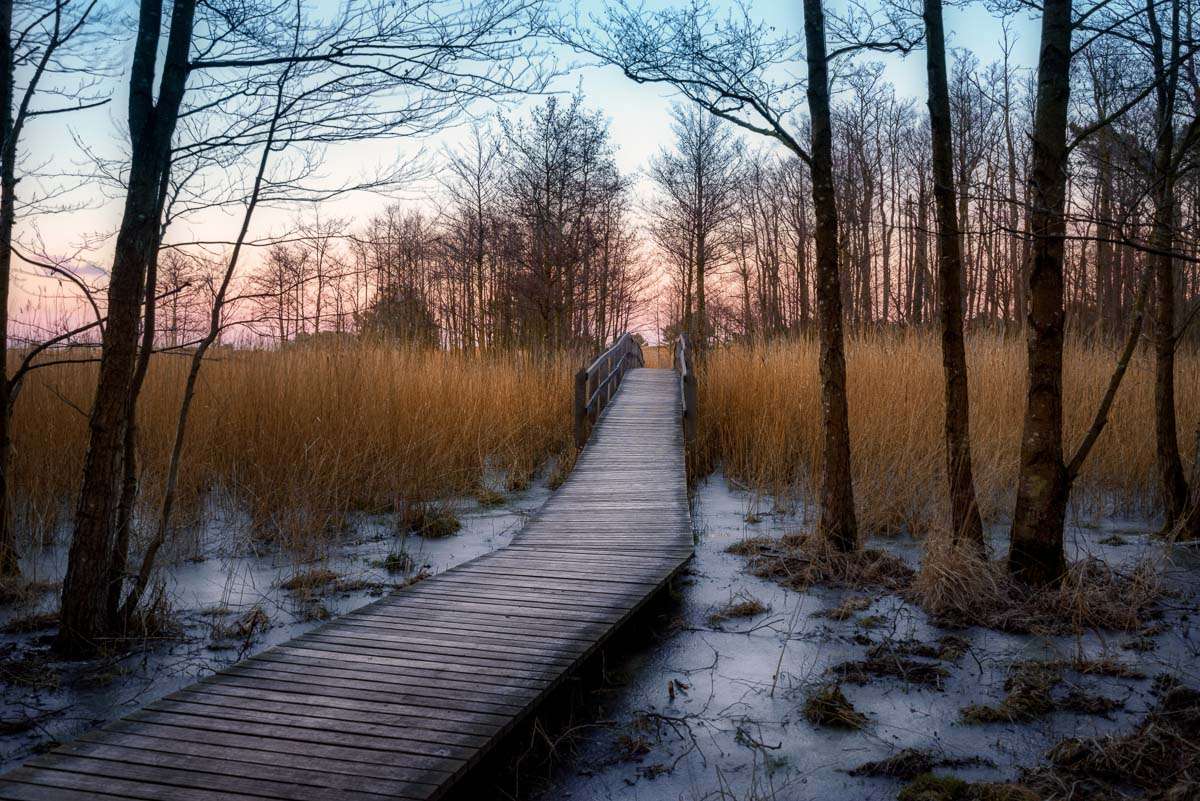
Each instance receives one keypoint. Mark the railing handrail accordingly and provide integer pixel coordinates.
(621, 342)
(593, 393)
(681, 359)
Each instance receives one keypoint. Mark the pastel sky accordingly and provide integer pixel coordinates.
(639, 126)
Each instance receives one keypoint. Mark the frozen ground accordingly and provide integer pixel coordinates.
(716, 711)
(216, 585)
(705, 711)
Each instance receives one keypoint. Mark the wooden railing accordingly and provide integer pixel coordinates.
(681, 360)
(596, 384)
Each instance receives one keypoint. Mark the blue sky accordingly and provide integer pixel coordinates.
(638, 114)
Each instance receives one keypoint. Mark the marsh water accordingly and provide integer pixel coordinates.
(703, 709)
(715, 710)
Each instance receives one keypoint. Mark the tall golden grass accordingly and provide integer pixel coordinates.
(303, 436)
(760, 419)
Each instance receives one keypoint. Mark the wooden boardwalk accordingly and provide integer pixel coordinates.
(400, 698)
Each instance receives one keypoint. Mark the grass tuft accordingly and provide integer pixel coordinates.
(798, 561)
(929, 787)
(740, 607)
(1160, 757)
(433, 521)
(1028, 689)
(959, 588)
(828, 706)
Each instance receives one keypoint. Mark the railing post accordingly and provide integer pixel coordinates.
(608, 388)
(581, 398)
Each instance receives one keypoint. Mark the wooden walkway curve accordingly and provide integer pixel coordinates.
(400, 698)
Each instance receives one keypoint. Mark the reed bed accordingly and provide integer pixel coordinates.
(302, 437)
(760, 419)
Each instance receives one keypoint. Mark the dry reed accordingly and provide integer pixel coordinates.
(957, 587)
(760, 419)
(298, 439)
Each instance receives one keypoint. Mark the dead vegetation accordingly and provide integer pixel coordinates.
(311, 584)
(28, 624)
(18, 591)
(1159, 760)
(1030, 694)
(300, 438)
(959, 588)
(1160, 757)
(245, 627)
(434, 521)
(929, 787)
(28, 669)
(906, 660)
(827, 705)
(909, 763)
(741, 606)
(798, 561)
(848, 608)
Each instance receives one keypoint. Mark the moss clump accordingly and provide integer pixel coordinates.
(828, 706)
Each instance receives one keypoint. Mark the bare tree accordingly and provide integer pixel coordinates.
(432, 58)
(695, 183)
(39, 42)
(964, 509)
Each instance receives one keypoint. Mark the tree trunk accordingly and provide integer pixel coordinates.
(1036, 546)
(964, 510)
(838, 524)
(151, 125)
(1170, 466)
(1189, 528)
(8, 547)
(1165, 53)
(921, 255)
